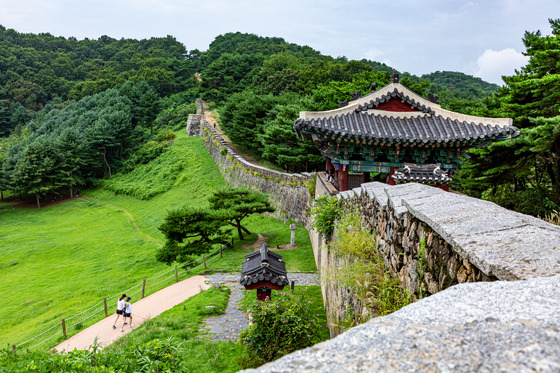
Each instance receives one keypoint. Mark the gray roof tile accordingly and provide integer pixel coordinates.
(428, 129)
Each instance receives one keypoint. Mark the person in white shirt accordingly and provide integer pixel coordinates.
(127, 313)
(120, 309)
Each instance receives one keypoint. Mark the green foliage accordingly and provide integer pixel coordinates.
(166, 343)
(422, 264)
(362, 270)
(524, 174)
(42, 69)
(452, 84)
(191, 232)
(325, 211)
(237, 204)
(287, 323)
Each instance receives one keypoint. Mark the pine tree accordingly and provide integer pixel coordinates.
(238, 204)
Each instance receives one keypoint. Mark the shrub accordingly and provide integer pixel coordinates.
(279, 328)
(166, 136)
(325, 211)
(362, 270)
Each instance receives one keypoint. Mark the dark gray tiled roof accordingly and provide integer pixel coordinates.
(427, 129)
(398, 95)
(264, 265)
(425, 174)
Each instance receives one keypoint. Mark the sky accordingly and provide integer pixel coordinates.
(481, 37)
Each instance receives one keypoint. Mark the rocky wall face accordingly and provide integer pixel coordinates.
(502, 326)
(288, 193)
(431, 240)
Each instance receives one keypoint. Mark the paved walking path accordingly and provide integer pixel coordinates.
(228, 326)
(142, 310)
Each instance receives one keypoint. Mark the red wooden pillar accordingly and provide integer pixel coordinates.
(390, 180)
(342, 178)
(328, 165)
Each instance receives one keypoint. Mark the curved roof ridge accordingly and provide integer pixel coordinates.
(501, 122)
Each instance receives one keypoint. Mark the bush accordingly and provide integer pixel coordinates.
(363, 271)
(279, 328)
(326, 211)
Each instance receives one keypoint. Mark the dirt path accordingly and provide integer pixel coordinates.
(212, 122)
(142, 310)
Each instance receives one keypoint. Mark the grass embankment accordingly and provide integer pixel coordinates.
(183, 323)
(58, 261)
(168, 343)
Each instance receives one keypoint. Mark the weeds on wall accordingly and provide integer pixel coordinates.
(363, 271)
(325, 211)
(422, 263)
(552, 218)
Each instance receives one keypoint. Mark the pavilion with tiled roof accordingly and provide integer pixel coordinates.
(380, 131)
(264, 270)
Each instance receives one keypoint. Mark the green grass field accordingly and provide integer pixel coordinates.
(58, 261)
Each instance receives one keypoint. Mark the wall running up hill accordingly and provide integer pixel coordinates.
(288, 193)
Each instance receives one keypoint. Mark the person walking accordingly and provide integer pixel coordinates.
(120, 309)
(127, 313)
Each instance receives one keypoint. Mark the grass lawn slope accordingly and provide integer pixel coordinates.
(58, 261)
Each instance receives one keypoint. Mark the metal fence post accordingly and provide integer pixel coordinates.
(176, 275)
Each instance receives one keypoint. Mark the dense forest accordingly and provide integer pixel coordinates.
(76, 111)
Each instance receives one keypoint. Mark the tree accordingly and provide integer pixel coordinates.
(72, 159)
(238, 204)
(37, 170)
(190, 232)
(516, 171)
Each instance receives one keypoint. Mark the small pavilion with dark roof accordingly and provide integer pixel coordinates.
(264, 270)
(423, 174)
(380, 131)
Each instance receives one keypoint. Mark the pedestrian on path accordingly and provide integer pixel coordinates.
(120, 309)
(127, 313)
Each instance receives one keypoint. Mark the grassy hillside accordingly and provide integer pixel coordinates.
(58, 261)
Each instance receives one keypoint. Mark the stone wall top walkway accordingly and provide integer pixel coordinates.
(478, 327)
(500, 242)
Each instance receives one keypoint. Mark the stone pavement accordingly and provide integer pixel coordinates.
(228, 326)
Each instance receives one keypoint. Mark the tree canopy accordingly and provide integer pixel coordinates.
(237, 204)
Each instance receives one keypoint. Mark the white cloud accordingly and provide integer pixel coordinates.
(492, 65)
(373, 54)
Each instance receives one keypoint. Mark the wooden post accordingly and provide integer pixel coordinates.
(14, 347)
(143, 288)
(220, 251)
(176, 275)
(204, 260)
(292, 284)
(232, 242)
(64, 328)
(105, 305)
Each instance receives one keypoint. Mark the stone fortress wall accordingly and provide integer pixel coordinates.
(480, 324)
(466, 240)
(288, 193)
(494, 275)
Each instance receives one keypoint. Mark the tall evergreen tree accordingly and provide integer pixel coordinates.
(527, 168)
